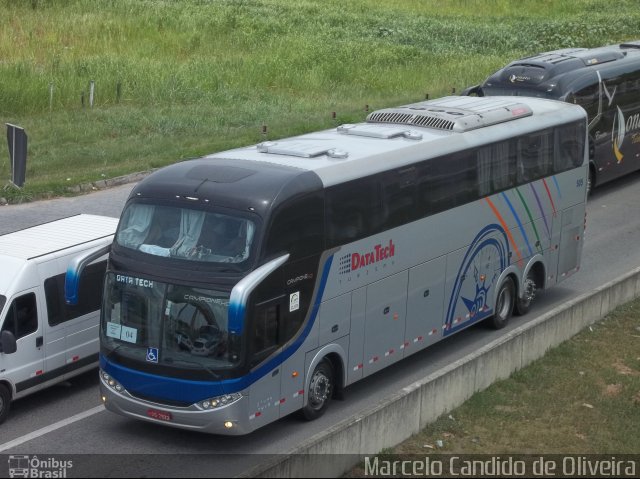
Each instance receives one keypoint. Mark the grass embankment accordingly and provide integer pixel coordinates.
(180, 79)
(582, 397)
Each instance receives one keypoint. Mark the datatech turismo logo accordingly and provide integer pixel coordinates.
(355, 261)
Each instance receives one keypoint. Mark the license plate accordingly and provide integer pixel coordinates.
(160, 415)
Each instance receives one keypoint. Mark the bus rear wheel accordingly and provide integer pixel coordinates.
(523, 304)
(321, 387)
(504, 304)
(5, 402)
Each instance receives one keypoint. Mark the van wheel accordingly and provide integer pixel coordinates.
(504, 304)
(523, 305)
(320, 390)
(5, 402)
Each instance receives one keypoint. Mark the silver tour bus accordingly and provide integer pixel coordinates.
(257, 282)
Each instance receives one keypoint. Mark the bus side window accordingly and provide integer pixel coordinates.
(504, 166)
(353, 211)
(459, 175)
(297, 227)
(446, 182)
(569, 151)
(587, 98)
(628, 93)
(265, 331)
(534, 156)
(399, 197)
(496, 168)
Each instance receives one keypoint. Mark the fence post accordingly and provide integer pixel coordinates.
(17, 140)
(92, 86)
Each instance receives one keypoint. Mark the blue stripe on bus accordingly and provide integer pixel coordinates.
(188, 391)
(236, 317)
(555, 180)
(544, 216)
(515, 215)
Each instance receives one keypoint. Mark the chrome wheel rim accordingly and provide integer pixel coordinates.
(319, 390)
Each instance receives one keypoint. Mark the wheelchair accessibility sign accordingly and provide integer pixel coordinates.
(152, 355)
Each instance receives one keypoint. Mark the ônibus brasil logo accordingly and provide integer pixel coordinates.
(354, 261)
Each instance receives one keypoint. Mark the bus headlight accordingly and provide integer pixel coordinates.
(112, 383)
(219, 401)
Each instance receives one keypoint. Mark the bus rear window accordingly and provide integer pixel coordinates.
(186, 234)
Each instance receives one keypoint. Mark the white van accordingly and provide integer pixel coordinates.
(42, 339)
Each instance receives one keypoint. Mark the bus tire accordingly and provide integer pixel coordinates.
(523, 304)
(5, 402)
(505, 300)
(321, 387)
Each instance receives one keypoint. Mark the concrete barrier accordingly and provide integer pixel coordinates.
(398, 417)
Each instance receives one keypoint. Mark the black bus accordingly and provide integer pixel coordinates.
(605, 81)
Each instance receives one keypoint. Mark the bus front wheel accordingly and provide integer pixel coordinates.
(5, 402)
(320, 390)
(504, 304)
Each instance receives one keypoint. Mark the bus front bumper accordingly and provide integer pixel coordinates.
(231, 419)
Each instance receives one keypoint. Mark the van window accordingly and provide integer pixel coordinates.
(2, 301)
(90, 294)
(22, 316)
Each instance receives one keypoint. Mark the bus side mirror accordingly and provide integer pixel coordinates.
(74, 272)
(8, 343)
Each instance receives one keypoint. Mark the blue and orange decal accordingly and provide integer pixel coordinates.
(517, 218)
(491, 240)
(505, 229)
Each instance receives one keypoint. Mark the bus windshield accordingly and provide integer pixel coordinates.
(177, 326)
(186, 234)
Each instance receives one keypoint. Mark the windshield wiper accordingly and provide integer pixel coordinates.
(194, 363)
(113, 351)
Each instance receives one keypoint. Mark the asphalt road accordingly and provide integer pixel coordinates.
(611, 248)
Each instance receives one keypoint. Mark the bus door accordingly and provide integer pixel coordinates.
(356, 337)
(570, 247)
(385, 322)
(551, 255)
(265, 340)
(424, 305)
